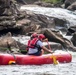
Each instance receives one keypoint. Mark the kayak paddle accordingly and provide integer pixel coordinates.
(55, 62)
(11, 61)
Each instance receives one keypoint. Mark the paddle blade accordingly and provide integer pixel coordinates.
(55, 62)
(11, 62)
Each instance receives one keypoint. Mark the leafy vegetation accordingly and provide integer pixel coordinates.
(52, 1)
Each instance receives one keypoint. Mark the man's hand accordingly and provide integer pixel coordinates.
(51, 51)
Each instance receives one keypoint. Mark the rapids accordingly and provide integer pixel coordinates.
(60, 69)
(54, 12)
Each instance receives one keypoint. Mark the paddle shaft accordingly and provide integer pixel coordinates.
(9, 47)
(49, 45)
(54, 58)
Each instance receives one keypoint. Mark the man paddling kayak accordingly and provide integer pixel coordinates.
(34, 35)
(36, 46)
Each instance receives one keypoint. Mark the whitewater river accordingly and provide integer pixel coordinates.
(60, 69)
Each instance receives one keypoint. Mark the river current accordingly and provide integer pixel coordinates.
(47, 69)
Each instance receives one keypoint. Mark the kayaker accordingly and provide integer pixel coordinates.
(36, 46)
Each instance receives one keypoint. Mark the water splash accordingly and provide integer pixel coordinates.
(54, 12)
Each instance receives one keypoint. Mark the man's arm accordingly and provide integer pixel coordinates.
(46, 49)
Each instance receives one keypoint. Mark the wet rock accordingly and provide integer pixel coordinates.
(71, 30)
(54, 46)
(72, 7)
(30, 1)
(38, 19)
(9, 16)
(23, 22)
(42, 20)
(68, 2)
(61, 24)
(7, 42)
(53, 36)
(74, 39)
(44, 4)
(21, 2)
(58, 38)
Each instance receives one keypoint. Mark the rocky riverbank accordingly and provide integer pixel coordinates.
(16, 22)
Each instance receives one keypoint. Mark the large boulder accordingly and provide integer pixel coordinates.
(55, 36)
(1, 6)
(22, 2)
(68, 2)
(26, 1)
(72, 7)
(74, 39)
(7, 43)
(71, 30)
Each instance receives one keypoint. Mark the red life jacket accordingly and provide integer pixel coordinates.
(32, 43)
(28, 42)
